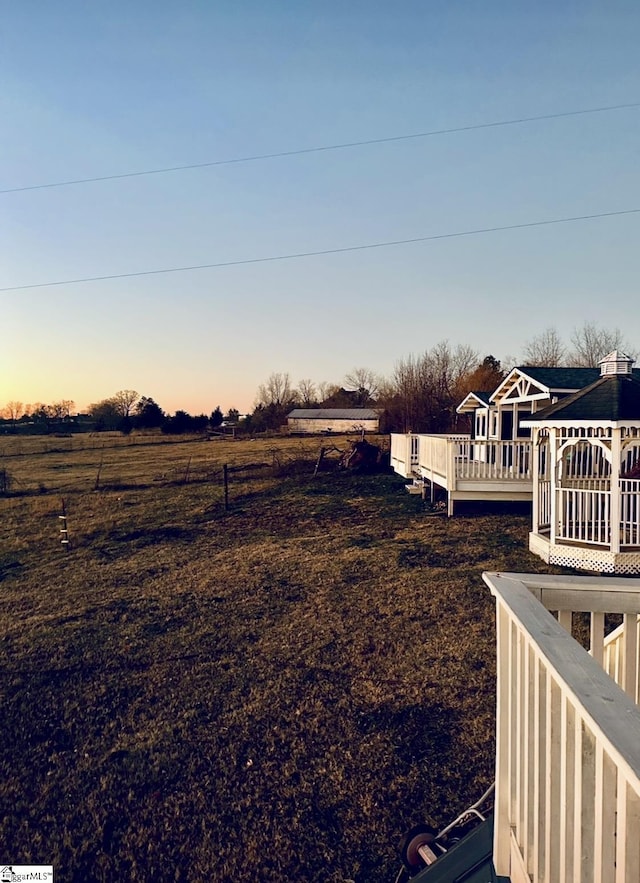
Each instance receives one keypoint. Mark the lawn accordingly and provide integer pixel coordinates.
(272, 692)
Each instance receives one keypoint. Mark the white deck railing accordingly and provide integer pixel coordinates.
(568, 737)
(618, 658)
(629, 512)
(584, 512)
(500, 460)
(544, 504)
(453, 458)
(404, 453)
(436, 455)
(584, 516)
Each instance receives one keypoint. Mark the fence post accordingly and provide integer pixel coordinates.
(64, 533)
(97, 484)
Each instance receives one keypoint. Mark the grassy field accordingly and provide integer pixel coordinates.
(274, 692)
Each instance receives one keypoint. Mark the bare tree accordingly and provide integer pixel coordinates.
(39, 411)
(276, 391)
(426, 387)
(307, 393)
(485, 377)
(105, 413)
(13, 411)
(124, 400)
(464, 359)
(408, 383)
(590, 344)
(365, 382)
(326, 390)
(60, 410)
(545, 349)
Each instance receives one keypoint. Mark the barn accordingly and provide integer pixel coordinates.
(318, 421)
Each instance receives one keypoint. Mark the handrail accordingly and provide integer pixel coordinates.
(456, 457)
(568, 738)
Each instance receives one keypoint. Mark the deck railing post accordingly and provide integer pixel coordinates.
(504, 711)
(566, 737)
(451, 447)
(535, 502)
(615, 511)
(554, 493)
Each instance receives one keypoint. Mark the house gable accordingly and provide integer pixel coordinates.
(472, 401)
(533, 383)
(519, 386)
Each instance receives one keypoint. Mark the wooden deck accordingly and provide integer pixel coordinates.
(466, 468)
(568, 731)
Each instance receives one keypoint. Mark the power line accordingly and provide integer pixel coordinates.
(324, 251)
(323, 148)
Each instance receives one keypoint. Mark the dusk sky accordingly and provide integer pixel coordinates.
(91, 90)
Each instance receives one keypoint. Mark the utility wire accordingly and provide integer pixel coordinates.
(324, 148)
(324, 251)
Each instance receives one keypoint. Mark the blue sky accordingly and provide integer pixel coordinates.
(98, 89)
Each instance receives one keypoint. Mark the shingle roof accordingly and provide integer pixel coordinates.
(561, 378)
(482, 395)
(333, 414)
(481, 398)
(613, 397)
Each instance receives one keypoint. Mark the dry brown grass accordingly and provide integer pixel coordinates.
(272, 693)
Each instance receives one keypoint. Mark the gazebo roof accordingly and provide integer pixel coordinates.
(613, 397)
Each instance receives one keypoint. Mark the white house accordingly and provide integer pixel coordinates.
(580, 468)
(525, 390)
(493, 461)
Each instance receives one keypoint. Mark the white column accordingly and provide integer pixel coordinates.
(553, 491)
(535, 502)
(615, 515)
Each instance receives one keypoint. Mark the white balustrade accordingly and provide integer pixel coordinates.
(544, 504)
(458, 457)
(629, 512)
(500, 460)
(401, 453)
(584, 516)
(568, 737)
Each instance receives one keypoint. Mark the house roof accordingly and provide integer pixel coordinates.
(613, 397)
(333, 414)
(561, 378)
(473, 400)
(526, 382)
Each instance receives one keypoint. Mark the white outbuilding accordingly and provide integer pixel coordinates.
(319, 421)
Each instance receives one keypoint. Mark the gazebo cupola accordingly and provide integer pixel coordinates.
(616, 363)
(586, 475)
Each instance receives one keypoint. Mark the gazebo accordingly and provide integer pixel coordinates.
(586, 474)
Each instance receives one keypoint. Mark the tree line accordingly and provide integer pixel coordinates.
(421, 394)
(424, 390)
(123, 412)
